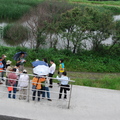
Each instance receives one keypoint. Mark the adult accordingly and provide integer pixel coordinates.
(4, 66)
(45, 88)
(52, 71)
(45, 60)
(23, 84)
(12, 77)
(1, 69)
(21, 60)
(36, 86)
(8, 70)
(17, 73)
(63, 85)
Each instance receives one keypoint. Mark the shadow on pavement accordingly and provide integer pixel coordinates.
(3, 117)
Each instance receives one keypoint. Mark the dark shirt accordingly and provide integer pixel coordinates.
(4, 63)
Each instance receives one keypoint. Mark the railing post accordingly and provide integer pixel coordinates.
(28, 98)
(70, 96)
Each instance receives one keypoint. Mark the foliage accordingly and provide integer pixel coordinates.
(87, 61)
(14, 34)
(14, 9)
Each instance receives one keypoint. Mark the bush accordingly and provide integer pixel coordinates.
(73, 62)
(15, 34)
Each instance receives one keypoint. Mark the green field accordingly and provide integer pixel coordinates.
(115, 3)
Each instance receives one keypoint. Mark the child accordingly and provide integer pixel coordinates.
(8, 70)
(36, 85)
(12, 77)
(61, 67)
(23, 84)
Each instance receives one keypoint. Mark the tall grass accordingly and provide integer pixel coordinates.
(14, 9)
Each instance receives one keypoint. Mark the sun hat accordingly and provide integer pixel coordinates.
(8, 62)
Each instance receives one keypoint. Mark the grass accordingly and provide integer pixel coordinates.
(114, 6)
(116, 3)
(14, 9)
(107, 83)
(98, 80)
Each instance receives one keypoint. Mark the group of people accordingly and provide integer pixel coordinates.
(18, 79)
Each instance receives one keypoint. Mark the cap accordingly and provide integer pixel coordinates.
(24, 70)
(8, 62)
(37, 60)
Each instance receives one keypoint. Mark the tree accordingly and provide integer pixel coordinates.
(43, 21)
(115, 35)
(74, 24)
(101, 29)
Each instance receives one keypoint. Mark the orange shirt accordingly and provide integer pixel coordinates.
(37, 82)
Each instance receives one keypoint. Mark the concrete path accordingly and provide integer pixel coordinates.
(86, 104)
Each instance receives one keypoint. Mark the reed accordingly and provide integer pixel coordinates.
(14, 9)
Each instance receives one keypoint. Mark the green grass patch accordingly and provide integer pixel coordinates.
(105, 82)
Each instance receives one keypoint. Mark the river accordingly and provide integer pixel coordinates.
(88, 45)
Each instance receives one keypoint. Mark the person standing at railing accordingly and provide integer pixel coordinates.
(8, 70)
(45, 88)
(17, 72)
(36, 86)
(23, 84)
(12, 78)
(1, 68)
(63, 85)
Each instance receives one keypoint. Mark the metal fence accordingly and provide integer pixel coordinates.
(54, 92)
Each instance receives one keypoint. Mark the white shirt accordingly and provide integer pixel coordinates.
(23, 80)
(52, 68)
(64, 80)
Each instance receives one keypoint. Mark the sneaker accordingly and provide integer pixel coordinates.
(49, 100)
(65, 98)
(1, 83)
(50, 86)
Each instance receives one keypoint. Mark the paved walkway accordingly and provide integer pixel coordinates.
(86, 104)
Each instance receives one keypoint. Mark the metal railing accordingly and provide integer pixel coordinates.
(29, 88)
